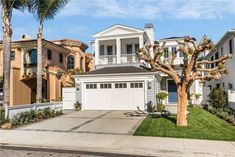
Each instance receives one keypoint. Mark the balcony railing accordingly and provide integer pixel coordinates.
(129, 58)
(108, 59)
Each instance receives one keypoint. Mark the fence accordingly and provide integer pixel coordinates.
(10, 111)
(231, 99)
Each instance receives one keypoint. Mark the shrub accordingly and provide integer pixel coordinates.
(218, 98)
(160, 97)
(77, 106)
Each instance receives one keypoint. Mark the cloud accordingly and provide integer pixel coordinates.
(150, 9)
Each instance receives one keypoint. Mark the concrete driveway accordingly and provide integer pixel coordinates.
(101, 122)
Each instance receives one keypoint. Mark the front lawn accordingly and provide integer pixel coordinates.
(201, 125)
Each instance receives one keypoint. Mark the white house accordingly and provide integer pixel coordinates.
(224, 46)
(118, 83)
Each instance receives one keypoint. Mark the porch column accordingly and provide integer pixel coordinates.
(97, 52)
(141, 41)
(118, 43)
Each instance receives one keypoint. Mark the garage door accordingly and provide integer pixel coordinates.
(113, 96)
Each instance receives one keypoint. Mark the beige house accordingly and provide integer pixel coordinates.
(59, 56)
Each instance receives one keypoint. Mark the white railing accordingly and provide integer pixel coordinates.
(129, 58)
(108, 59)
(231, 99)
(10, 111)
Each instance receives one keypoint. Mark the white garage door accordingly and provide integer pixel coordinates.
(113, 96)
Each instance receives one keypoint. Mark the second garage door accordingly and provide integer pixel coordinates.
(113, 96)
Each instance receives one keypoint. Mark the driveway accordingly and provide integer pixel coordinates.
(99, 122)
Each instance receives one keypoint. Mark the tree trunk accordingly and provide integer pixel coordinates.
(7, 34)
(182, 108)
(39, 63)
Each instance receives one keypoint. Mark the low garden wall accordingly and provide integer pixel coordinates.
(10, 111)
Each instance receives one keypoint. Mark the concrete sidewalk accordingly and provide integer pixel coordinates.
(121, 144)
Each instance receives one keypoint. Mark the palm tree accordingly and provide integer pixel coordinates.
(7, 8)
(43, 10)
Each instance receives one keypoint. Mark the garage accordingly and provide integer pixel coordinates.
(114, 95)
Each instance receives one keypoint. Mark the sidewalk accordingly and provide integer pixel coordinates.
(121, 144)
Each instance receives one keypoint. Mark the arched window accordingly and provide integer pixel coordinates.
(70, 62)
(33, 56)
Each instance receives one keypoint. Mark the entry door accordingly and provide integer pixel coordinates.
(172, 92)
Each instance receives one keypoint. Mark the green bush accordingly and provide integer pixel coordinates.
(77, 106)
(218, 98)
(33, 116)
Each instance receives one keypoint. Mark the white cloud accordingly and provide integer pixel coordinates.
(150, 9)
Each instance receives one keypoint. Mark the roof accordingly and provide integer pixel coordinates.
(117, 70)
(171, 38)
(70, 42)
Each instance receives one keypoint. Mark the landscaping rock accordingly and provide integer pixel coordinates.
(6, 126)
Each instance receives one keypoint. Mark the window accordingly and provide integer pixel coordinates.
(101, 50)
(230, 86)
(12, 55)
(137, 46)
(61, 58)
(173, 49)
(230, 46)
(49, 54)
(217, 85)
(110, 50)
(129, 49)
(209, 86)
(137, 85)
(181, 54)
(33, 56)
(120, 85)
(212, 65)
(91, 86)
(105, 85)
(221, 51)
(166, 52)
(216, 57)
(70, 62)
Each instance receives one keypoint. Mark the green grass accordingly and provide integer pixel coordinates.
(201, 125)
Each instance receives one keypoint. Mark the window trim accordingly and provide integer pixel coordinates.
(70, 67)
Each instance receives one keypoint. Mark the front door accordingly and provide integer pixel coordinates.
(172, 93)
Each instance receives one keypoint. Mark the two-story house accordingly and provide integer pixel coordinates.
(58, 57)
(224, 46)
(118, 83)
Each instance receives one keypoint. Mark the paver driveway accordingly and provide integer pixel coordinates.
(103, 122)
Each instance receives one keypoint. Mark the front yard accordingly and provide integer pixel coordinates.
(201, 125)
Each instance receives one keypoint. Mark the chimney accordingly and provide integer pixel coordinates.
(148, 28)
(25, 37)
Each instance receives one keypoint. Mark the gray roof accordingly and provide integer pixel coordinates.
(117, 70)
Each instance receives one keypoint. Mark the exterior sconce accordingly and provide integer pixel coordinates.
(150, 84)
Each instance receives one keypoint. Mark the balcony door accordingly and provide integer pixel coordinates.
(109, 50)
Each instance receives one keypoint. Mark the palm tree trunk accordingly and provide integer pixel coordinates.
(7, 34)
(182, 107)
(39, 63)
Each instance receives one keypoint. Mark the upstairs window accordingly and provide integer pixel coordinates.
(216, 57)
(212, 65)
(181, 54)
(129, 49)
(137, 46)
(230, 86)
(12, 55)
(101, 50)
(221, 51)
(70, 62)
(230, 46)
(109, 50)
(166, 52)
(33, 56)
(61, 58)
(49, 55)
(173, 49)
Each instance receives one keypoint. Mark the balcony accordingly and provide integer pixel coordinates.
(129, 58)
(108, 59)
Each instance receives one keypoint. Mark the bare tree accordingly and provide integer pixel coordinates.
(191, 68)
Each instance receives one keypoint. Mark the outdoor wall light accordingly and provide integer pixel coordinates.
(150, 84)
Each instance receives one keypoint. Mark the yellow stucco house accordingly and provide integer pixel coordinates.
(59, 57)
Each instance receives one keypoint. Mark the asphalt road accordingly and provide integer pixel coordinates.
(9, 151)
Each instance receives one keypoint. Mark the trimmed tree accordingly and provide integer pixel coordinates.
(191, 68)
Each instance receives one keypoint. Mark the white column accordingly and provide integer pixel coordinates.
(141, 41)
(105, 50)
(118, 43)
(133, 48)
(97, 53)
(113, 49)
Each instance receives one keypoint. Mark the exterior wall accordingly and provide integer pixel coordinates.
(230, 77)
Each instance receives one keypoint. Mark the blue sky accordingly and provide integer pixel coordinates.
(80, 19)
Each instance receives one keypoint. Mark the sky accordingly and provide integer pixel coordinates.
(80, 19)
